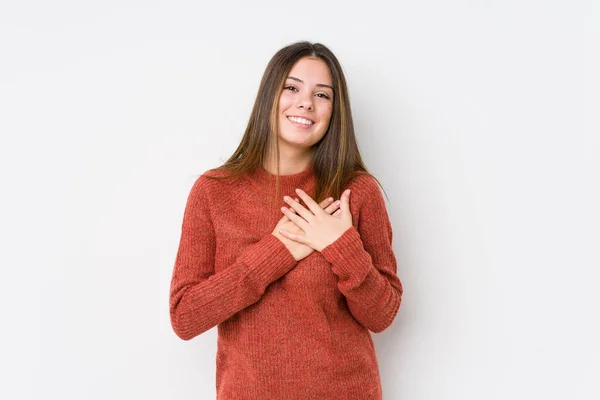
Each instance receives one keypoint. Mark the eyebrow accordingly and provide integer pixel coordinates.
(318, 84)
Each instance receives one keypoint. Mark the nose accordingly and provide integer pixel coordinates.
(305, 102)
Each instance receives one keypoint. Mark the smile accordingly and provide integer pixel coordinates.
(301, 121)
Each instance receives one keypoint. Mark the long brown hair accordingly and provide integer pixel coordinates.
(336, 158)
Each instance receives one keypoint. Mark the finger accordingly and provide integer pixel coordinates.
(332, 207)
(345, 201)
(300, 209)
(323, 204)
(285, 217)
(299, 221)
(293, 236)
(312, 205)
(337, 213)
(282, 221)
(326, 203)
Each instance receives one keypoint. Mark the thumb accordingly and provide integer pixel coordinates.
(345, 203)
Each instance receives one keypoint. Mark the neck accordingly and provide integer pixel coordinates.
(288, 163)
(265, 181)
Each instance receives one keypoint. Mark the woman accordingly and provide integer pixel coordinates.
(294, 283)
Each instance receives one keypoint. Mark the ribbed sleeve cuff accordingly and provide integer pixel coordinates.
(267, 261)
(348, 257)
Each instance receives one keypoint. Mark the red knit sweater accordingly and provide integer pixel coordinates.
(286, 329)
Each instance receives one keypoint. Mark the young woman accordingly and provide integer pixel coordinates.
(294, 281)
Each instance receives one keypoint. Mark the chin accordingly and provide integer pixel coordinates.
(294, 142)
(295, 139)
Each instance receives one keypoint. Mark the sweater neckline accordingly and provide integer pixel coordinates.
(288, 183)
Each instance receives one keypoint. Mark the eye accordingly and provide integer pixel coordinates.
(294, 89)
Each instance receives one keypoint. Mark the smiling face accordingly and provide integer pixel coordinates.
(305, 104)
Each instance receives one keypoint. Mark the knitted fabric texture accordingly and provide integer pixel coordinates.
(286, 329)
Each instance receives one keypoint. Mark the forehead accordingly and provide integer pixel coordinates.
(311, 71)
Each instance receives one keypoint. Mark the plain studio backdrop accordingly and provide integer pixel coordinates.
(480, 118)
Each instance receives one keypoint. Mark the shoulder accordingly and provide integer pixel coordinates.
(363, 181)
(364, 186)
(212, 183)
(366, 197)
(214, 172)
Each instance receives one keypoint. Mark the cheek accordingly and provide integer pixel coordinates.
(284, 103)
(326, 115)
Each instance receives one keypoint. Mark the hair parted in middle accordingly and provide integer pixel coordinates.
(336, 158)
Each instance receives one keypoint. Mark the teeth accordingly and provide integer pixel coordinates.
(300, 120)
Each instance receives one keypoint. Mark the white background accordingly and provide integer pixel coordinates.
(480, 118)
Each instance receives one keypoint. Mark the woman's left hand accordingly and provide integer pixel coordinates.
(321, 229)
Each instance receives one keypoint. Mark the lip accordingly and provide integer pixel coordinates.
(301, 126)
(300, 116)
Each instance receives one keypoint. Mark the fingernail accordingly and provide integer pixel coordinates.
(336, 202)
(347, 192)
(330, 199)
(298, 191)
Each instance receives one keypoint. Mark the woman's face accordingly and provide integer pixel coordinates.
(305, 104)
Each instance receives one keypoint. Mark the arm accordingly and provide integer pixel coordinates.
(364, 261)
(200, 298)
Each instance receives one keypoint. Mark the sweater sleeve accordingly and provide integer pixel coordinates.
(200, 298)
(364, 261)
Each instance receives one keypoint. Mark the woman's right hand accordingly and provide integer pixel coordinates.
(299, 250)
